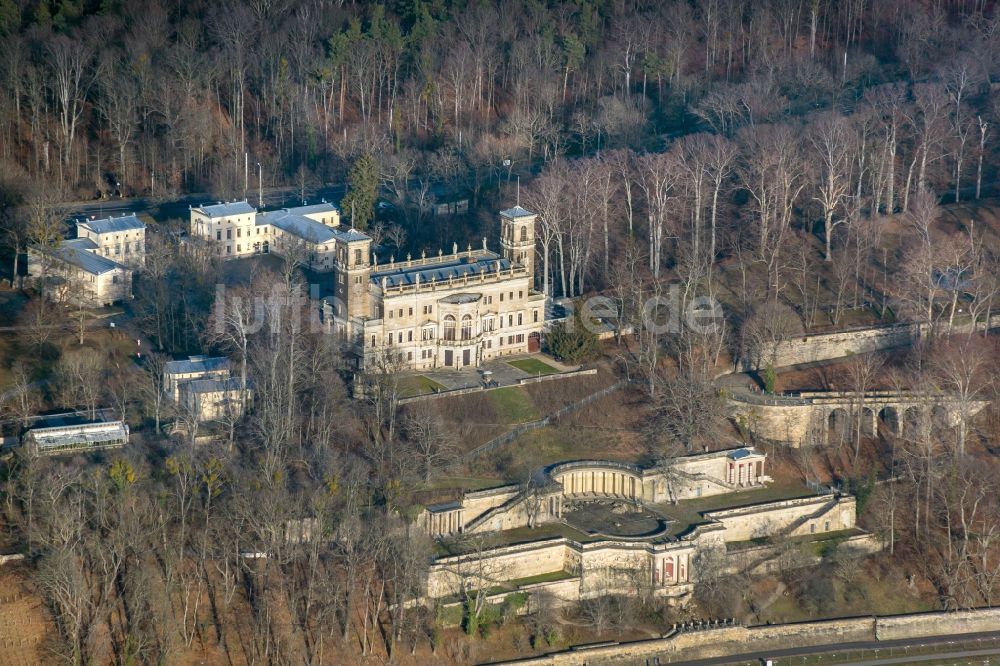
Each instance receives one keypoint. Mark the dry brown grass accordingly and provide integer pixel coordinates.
(24, 620)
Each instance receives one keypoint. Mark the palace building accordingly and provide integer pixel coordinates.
(236, 229)
(447, 311)
(450, 311)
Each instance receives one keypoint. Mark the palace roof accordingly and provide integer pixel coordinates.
(290, 221)
(222, 209)
(516, 212)
(112, 224)
(196, 364)
(85, 260)
(450, 267)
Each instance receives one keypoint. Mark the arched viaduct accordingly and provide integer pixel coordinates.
(811, 418)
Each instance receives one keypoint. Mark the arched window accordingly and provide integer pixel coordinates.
(449, 328)
(524, 234)
(466, 327)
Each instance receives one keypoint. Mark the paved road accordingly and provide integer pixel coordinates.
(930, 657)
(786, 657)
(178, 208)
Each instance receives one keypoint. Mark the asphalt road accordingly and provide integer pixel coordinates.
(890, 651)
(162, 209)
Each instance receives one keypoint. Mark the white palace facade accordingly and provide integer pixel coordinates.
(450, 311)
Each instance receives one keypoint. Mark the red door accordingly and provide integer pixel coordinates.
(534, 342)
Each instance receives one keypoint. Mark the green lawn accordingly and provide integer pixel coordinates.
(513, 405)
(688, 513)
(518, 535)
(533, 366)
(417, 385)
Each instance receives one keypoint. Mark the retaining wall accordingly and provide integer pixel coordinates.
(827, 346)
(719, 642)
(938, 624)
(725, 641)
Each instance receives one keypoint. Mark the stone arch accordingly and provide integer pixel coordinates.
(912, 420)
(890, 417)
(940, 417)
(869, 422)
(838, 425)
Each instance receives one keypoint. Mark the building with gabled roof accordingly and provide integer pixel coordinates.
(176, 373)
(204, 386)
(237, 229)
(75, 272)
(122, 239)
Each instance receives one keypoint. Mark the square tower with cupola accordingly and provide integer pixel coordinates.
(517, 237)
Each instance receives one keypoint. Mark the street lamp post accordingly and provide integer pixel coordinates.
(260, 186)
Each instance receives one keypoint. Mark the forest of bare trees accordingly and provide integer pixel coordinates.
(148, 98)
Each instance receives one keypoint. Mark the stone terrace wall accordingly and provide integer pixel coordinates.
(827, 346)
(717, 642)
(767, 519)
(738, 640)
(499, 564)
(938, 624)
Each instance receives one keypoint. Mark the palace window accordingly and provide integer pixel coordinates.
(449, 328)
(466, 327)
(524, 234)
(534, 314)
(518, 318)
